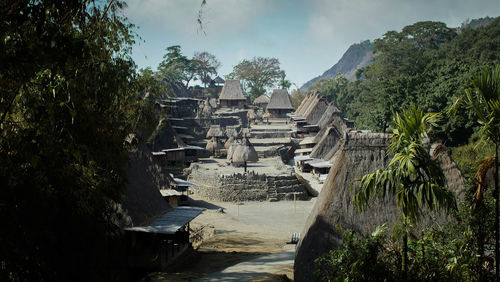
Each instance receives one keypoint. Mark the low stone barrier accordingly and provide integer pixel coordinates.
(249, 187)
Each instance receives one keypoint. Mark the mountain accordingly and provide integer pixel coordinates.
(357, 56)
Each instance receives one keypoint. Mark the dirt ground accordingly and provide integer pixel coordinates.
(250, 237)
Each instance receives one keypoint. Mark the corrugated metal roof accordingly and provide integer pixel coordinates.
(302, 158)
(304, 150)
(181, 182)
(171, 221)
(170, 192)
(324, 164)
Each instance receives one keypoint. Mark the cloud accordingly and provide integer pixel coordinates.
(220, 17)
(356, 20)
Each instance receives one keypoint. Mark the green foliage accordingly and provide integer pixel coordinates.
(258, 74)
(447, 253)
(361, 257)
(207, 65)
(427, 64)
(467, 157)
(70, 97)
(412, 177)
(297, 97)
(334, 89)
(177, 67)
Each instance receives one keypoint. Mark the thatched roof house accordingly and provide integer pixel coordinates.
(214, 145)
(218, 80)
(280, 103)
(232, 95)
(245, 152)
(229, 142)
(356, 153)
(143, 201)
(251, 115)
(262, 101)
(215, 131)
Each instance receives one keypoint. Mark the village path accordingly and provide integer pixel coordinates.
(262, 268)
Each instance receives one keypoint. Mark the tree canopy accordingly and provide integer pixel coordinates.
(70, 97)
(258, 74)
(426, 63)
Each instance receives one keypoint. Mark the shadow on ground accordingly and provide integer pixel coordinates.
(202, 263)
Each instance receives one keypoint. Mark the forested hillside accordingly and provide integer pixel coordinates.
(426, 63)
(357, 56)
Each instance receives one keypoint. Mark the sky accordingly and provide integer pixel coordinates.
(307, 36)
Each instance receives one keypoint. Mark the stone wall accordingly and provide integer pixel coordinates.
(248, 187)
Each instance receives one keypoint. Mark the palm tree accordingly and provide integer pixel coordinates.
(412, 177)
(482, 100)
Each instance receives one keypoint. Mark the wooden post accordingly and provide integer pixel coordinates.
(294, 203)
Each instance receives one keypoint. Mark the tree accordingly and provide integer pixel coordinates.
(177, 67)
(285, 83)
(412, 177)
(483, 101)
(258, 74)
(297, 97)
(334, 89)
(69, 100)
(207, 66)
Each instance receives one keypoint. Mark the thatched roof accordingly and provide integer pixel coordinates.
(213, 102)
(454, 177)
(229, 141)
(143, 200)
(305, 104)
(245, 152)
(262, 99)
(280, 100)
(233, 131)
(251, 114)
(215, 131)
(219, 80)
(214, 145)
(357, 154)
(207, 107)
(231, 149)
(316, 110)
(232, 91)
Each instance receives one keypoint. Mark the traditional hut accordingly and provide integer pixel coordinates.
(262, 101)
(251, 116)
(216, 131)
(232, 95)
(214, 145)
(358, 153)
(245, 152)
(229, 142)
(218, 80)
(280, 104)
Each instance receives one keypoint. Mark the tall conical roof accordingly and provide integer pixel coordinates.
(215, 130)
(280, 100)
(232, 91)
(214, 144)
(245, 152)
(262, 99)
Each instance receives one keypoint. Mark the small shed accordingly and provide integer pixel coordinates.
(262, 101)
(160, 243)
